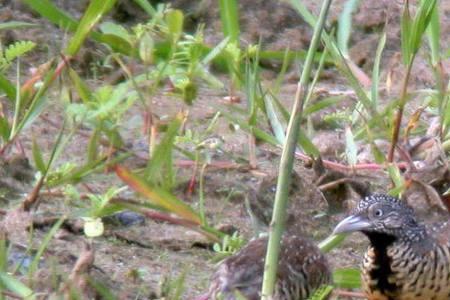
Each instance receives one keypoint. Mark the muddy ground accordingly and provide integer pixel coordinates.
(161, 252)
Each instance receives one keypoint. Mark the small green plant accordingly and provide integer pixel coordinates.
(173, 288)
(14, 51)
(99, 207)
(230, 244)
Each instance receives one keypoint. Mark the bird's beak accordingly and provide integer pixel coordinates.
(351, 224)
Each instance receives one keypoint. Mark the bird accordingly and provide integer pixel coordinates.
(302, 269)
(406, 259)
(259, 203)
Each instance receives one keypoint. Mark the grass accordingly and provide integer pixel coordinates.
(160, 58)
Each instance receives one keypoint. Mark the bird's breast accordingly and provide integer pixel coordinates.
(402, 274)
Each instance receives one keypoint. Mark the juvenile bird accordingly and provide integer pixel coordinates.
(302, 268)
(406, 260)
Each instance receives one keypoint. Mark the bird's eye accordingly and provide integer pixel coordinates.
(378, 213)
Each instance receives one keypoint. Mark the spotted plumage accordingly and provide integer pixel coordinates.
(302, 269)
(406, 260)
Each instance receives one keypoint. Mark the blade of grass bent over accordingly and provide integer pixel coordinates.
(158, 196)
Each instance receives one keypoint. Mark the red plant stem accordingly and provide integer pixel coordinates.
(186, 163)
(345, 168)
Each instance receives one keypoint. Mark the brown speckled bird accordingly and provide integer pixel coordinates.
(302, 269)
(406, 260)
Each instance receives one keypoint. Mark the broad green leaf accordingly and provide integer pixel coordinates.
(7, 87)
(146, 49)
(174, 19)
(111, 28)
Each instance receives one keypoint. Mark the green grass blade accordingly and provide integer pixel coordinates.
(336, 56)
(434, 36)
(52, 13)
(38, 157)
(229, 15)
(287, 159)
(351, 150)
(102, 289)
(3, 254)
(66, 22)
(93, 146)
(376, 72)
(307, 145)
(280, 77)
(275, 123)
(93, 14)
(345, 25)
(421, 21)
(322, 104)
(216, 51)
(17, 105)
(258, 133)
(321, 293)
(405, 25)
(159, 169)
(15, 24)
(15, 286)
(331, 242)
(145, 5)
(44, 244)
(80, 86)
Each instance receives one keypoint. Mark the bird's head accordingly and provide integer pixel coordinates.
(380, 215)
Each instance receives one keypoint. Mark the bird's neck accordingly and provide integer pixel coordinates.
(380, 274)
(416, 237)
